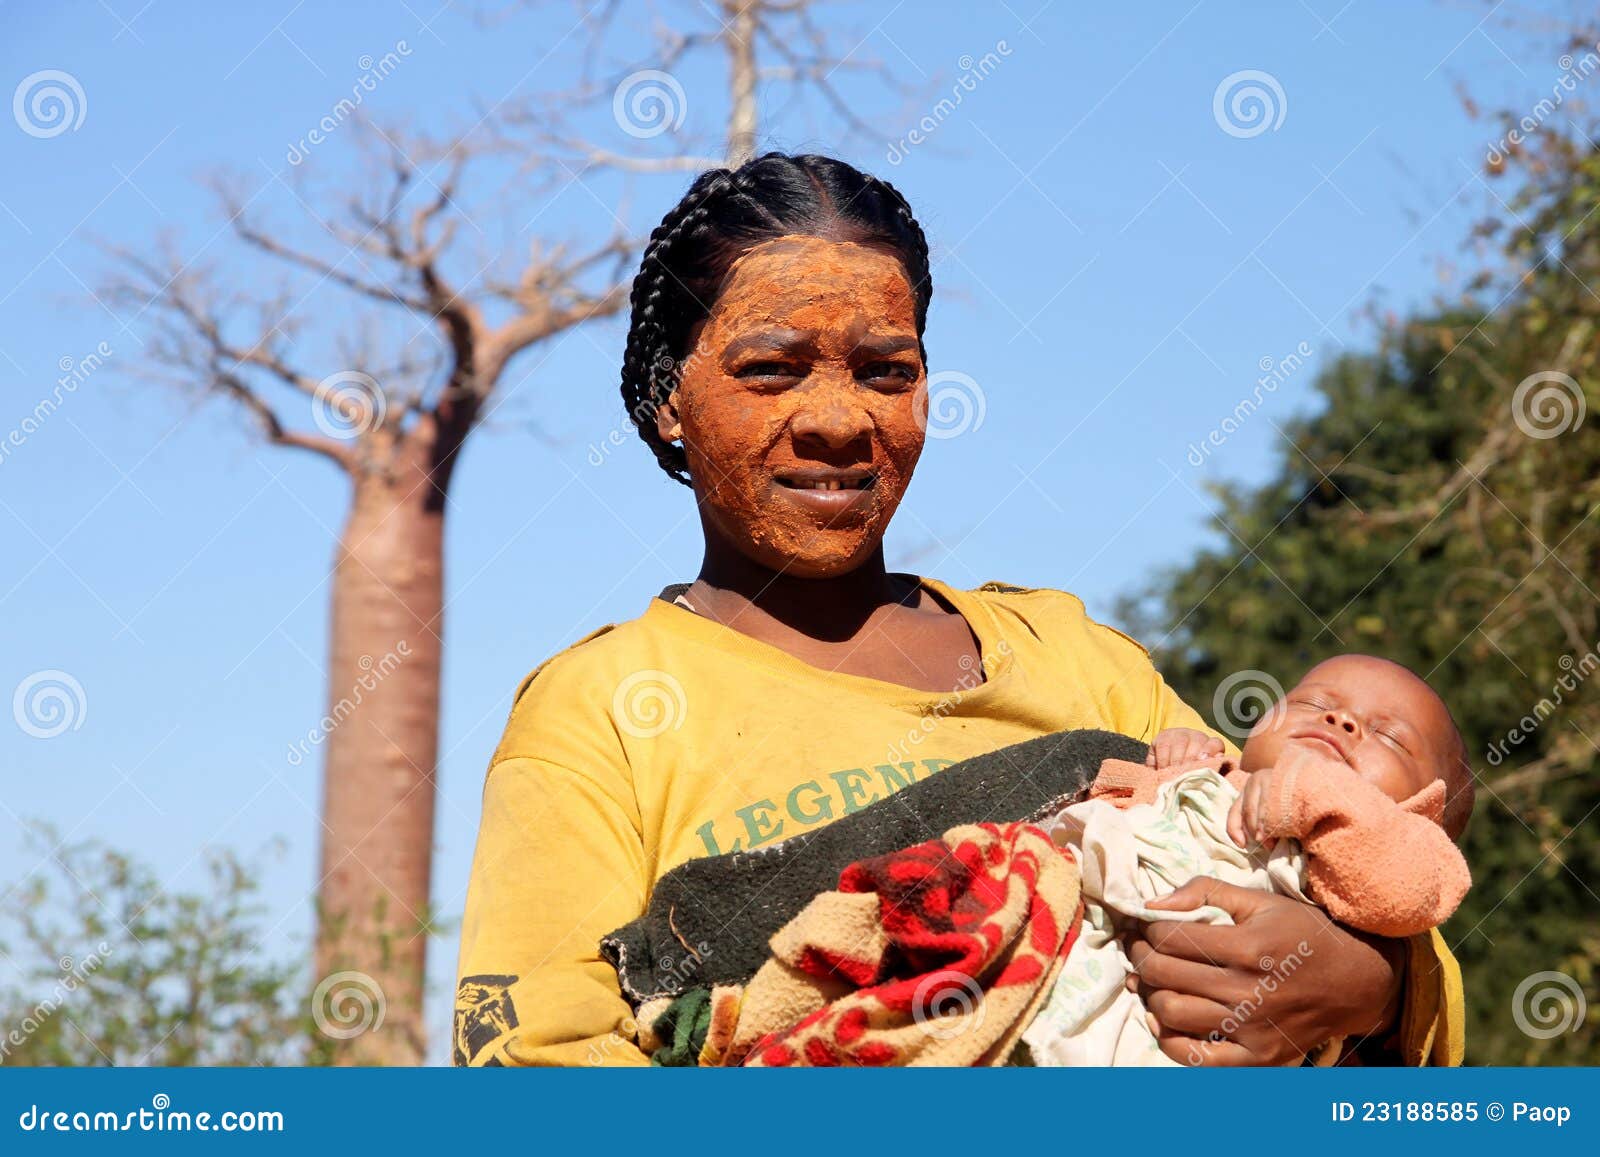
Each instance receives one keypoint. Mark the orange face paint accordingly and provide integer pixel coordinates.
(799, 407)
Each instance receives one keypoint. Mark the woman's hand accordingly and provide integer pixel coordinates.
(1282, 980)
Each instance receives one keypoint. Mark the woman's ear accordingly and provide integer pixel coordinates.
(668, 424)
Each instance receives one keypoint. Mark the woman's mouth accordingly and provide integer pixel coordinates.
(829, 492)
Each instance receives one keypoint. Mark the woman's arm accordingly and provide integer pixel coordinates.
(1283, 979)
(1196, 976)
(559, 863)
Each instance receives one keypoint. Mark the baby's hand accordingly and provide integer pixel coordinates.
(1180, 745)
(1246, 819)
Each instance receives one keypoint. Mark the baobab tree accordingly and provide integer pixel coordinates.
(393, 422)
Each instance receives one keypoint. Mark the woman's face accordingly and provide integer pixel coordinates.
(802, 406)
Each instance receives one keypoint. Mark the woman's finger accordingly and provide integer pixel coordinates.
(1190, 1015)
(1157, 970)
(1188, 1050)
(1220, 945)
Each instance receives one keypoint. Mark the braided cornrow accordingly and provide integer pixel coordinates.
(725, 213)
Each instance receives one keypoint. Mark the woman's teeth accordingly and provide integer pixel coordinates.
(861, 485)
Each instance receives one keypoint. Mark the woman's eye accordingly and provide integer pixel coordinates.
(773, 372)
(887, 375)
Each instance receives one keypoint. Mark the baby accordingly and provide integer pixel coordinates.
(1348, 793)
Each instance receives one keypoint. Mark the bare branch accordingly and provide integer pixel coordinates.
(233, 386)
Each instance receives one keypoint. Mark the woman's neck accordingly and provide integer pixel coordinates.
(741, 593)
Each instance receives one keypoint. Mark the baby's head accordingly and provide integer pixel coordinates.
(1378, 718)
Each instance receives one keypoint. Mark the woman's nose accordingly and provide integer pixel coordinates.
(832, 421)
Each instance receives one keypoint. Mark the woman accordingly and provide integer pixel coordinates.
(776, 365)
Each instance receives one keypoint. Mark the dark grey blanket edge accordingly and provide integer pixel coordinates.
(709, 920)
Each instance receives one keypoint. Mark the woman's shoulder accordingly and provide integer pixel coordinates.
(579, 682)
(1057, 617)
(614, 648)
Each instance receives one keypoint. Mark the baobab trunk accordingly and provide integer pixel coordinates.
(378, 784)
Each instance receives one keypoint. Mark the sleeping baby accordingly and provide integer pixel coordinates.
(1348, 793)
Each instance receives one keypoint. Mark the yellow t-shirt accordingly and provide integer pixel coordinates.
(671, 737)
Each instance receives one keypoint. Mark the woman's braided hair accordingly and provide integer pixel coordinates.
(725, 213)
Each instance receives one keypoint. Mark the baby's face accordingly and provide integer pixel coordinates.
(1373, 715)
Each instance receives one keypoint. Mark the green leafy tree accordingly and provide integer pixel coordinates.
(1442, 508)
(113, 969)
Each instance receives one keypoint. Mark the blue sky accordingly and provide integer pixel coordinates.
(1112, 268)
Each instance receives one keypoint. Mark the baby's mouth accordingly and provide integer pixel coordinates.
(1323, 738)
